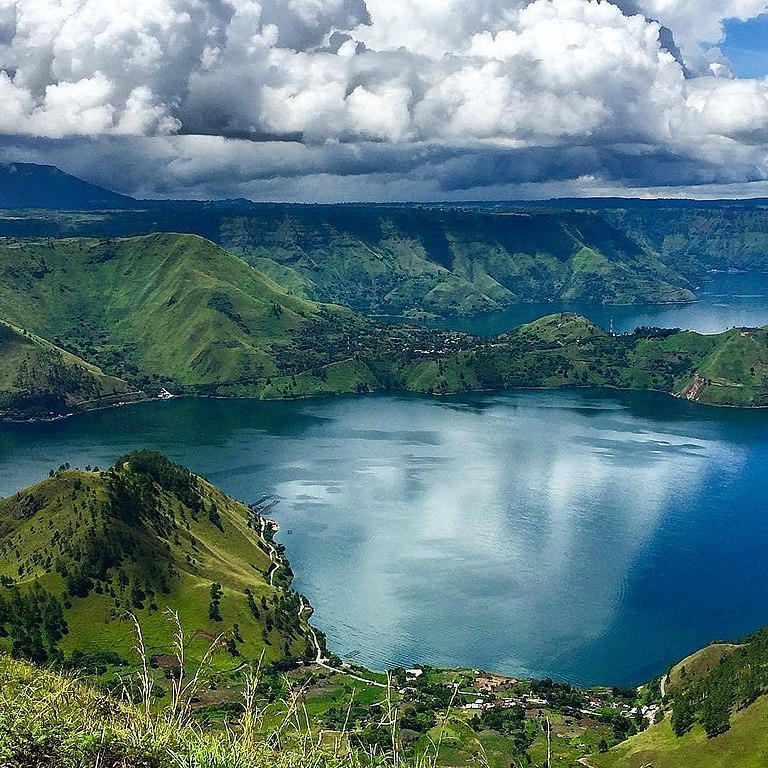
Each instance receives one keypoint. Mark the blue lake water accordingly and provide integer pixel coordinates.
(724, 301)
(595, 537)
(589, 536)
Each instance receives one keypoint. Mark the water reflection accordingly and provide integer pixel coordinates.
(509, 535)
(593, 537)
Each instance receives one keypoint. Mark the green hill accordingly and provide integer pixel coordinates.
(157, 309)
(568, 350)
(81, 549)
(37, 378)
(717, 702)
(745, 745)
(403, 260)
(698, 238)
(179, 311)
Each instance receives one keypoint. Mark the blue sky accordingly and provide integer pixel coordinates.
(746, 45)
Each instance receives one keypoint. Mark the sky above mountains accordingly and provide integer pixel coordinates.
(390, 99)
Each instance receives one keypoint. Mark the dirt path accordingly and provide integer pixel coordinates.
(273, 556)
(323, 662)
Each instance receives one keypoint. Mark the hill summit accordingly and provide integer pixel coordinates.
(84, 548)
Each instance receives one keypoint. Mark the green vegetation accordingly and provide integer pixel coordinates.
(82, 549)
(231, 675)
(698, 665)
(307, 717)
(401, 260)
(567, 350)
(745, 745)
(710, 693)
(37, 378)
(57, 721)
(157, 309)
(717, 703)
(177, 311)
(697, 239)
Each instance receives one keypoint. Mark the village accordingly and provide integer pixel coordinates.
(489, 692)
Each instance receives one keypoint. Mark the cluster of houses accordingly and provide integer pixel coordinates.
(525, 701)
(595, 705)
(488, 685)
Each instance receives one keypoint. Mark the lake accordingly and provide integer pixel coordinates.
(724, 301)
(593, 537)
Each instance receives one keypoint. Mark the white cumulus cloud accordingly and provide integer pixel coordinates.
(594, 78)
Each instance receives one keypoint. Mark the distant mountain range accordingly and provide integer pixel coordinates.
(376, 259)
(28, 185)
(178, 311)
(438, 259)
(283, 309)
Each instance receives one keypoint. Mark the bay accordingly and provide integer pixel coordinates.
(724, 301)
(593, 537)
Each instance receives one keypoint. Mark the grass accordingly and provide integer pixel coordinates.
(745, 745)
(175, 306)
(52, 720)
(172, 553)
(699, 664)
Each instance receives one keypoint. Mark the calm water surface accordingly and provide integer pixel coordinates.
(722, 302)
(592, 537)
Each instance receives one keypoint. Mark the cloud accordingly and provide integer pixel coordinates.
(486, 80)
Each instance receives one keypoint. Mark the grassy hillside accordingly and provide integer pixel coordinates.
(401, 260)
(179, 311)
(691, 237)
(83, 548)
(161, 308)
(50, 720)
(698, 665)
(717, 701)
(745, 745)
(568, 350)
(404, 260)
(694, 240)
(37, 378)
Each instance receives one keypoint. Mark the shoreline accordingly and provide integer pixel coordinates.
(48, 419)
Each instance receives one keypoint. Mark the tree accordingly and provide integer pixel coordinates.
(683, 715)
(213, 608)
(716, 714)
